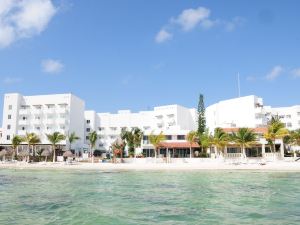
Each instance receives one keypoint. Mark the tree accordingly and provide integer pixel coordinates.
(31, 139)
(220, 139)
(128, 139)
(276, 130)
(117, 148)
(93, 137)
(293, 139)
(72, 138)
(156, 140)
(244, 137)
(206, 140)
(201, 115)
(54, 139)
(137, 138)
(15, 142)
(192, 137)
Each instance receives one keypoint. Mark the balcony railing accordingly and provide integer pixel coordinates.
(62, 110)
(23, 122)
(23, 111)
(22, 132)
(50, 110)
(49, 121)
(36, 111)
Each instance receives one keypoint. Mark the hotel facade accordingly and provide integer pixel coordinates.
(65, 113)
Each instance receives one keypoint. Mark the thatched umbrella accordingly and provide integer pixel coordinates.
(24, 153)
(46, 153)
(68, 154)
(3, 153)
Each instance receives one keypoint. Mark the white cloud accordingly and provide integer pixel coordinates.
(234, 23)
(296, 73)
(163, 36)
(23, 19)
(12, 80)
(189, 18)
(52, 66)
(274, 73)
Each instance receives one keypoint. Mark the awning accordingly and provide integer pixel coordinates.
(184, 144)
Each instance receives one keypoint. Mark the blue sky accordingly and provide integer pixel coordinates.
(134, 54)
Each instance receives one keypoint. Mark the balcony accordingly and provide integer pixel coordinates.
(49, 121)
(23, 122)
(36, 111)
(23, 111)
(62, 121)
(62, 110)
(50, 110)
(36, 121)
(21, 132)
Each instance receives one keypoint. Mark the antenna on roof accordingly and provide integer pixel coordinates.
(239, 84)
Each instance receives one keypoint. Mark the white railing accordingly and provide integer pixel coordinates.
(23, 122)
(23, 111)
(272, 155)
(233, 155)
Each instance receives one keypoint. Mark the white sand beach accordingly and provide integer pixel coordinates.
(272, 166)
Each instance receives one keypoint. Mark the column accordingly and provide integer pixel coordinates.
(281, 148)
(263, 150)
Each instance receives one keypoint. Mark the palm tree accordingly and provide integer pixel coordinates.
(220, 139)
(295, 138)
(128, 138)
(206, 140)
(244, 137)
(93, 139)
(192, 138)
(15, 142)
(156, 140)
(137, 138)
(276, 130)
(31, 139)
(54, 139)
(72, 138)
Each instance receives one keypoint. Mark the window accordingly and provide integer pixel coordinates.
(23, 128)
(288, 116)
(298, 113)
(87, 137)
(101, 145)
(168, 137)
(8, 127)
(9, 117)
(23, 118)
(88, 121)
(113, 128)
(8, 137)
(10, 107)
(289, 124)
(88, 129)
(100, 128)
(180, 137)
(38, 128)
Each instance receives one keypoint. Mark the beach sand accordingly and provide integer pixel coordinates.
(272, 166)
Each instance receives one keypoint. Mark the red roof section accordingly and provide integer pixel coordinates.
(184, 144)
(258, 130)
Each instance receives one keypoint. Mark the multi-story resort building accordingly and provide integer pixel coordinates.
(42, 114)
(174, 121)
(66, 113)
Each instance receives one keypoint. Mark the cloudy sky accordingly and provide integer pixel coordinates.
(134, 54)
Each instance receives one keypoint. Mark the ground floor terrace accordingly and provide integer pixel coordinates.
(186, 150)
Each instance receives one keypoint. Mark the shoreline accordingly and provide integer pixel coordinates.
(271, 166)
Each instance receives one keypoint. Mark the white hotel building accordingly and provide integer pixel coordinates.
(66, 113)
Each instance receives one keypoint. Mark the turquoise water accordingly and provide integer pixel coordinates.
(93, 197)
